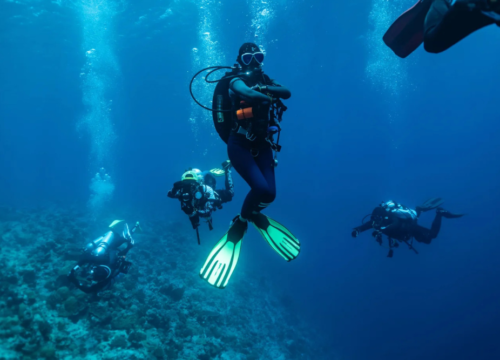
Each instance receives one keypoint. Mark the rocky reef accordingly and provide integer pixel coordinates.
(159, 310)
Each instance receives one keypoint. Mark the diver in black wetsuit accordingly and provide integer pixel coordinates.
(255, 116)
(449, 21)
(103, 259)
(249, 147)
(398, 222)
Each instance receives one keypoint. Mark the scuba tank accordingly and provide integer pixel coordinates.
(224, 115)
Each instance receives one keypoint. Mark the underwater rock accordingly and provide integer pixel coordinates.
(26, 318)
(126, 322)
(157, 319)
(63, 293)
(160, 310)
(159, 353)
(48, 352)
(71, 305)
(10, 279)
(175, 294)
(119, 341)
(29, 276)
(137, 336)
(100, 312)
(45, 329)
(72, 308)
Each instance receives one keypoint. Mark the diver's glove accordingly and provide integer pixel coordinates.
(378, 236)
(355, 233)
(226, 165)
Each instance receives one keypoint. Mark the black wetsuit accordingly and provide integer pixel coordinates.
(401, 228)
(250, 153)
(446, 25)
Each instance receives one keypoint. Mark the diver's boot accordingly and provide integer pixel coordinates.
(448, 215)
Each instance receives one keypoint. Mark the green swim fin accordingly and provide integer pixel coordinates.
(430, 204)
(217, 172)
(278, 236)
(224, 256)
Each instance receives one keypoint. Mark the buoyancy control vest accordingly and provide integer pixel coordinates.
(225, 114)
(241, 114)
(399, 210)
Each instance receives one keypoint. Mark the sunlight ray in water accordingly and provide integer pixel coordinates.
(206, 53)
(98, 75)
(262, 13)
(384, 69)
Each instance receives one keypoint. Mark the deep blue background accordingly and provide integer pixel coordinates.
(347, 145)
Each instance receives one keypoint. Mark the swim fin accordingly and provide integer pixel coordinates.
(406, 34)
(224, 256)
(217, 172)
(448, 215)
(278, 236)
(430, 204)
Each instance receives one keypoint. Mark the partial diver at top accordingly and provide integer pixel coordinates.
(440, 24)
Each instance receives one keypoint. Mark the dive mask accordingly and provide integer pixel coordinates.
(246, 58)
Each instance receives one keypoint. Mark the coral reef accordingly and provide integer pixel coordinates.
(159, 310)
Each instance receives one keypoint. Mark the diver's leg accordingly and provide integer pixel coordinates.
(265, 162)
(422, 234)
(245, 164)
(446, 25)
(436, 225)
(425, 235)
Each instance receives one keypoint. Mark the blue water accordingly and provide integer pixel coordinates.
(90, 84)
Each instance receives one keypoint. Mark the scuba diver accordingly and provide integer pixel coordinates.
(399, 222)
(198, 195)
(247, 111)
(440, 24)
(102, 260)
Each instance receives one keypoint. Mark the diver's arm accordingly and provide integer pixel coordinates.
(246, 93)
(366, 226)
(276, 91)
(174, 193)
(130, 245)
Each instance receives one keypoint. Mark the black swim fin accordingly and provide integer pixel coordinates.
(448, 215)
(430, 204)
(406, 34)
